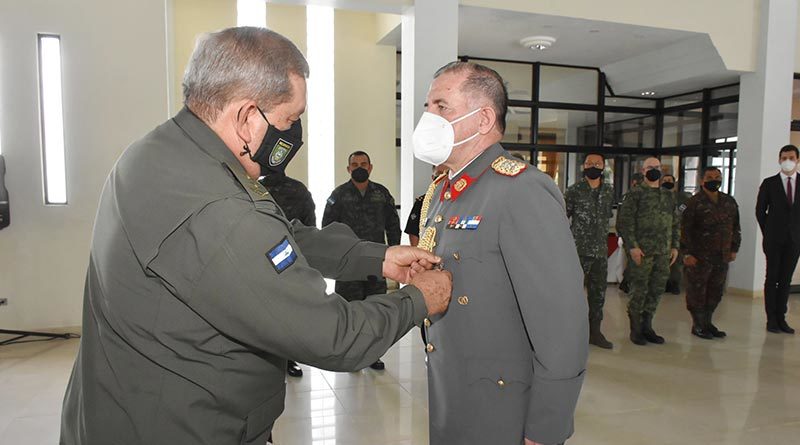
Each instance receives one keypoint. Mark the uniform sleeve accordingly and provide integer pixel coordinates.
(687, 228)
(337, 253)
(569, 201)
(308, 210)
(736, 239)
(253, 284)
(626, 220)
(412, 225)
(392, 221)
(331, 213)
(610, 207)
(676, 226)
(547, 280)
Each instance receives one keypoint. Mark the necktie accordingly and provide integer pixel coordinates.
(789, 190)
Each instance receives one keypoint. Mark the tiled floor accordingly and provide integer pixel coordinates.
(744, 389)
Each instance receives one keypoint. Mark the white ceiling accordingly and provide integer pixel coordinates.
(594, 44)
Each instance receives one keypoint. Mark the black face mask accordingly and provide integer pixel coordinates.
(278, 147)
(653, 175)
(593, 172)
(668, 185)
(360, 174)
(712, 186)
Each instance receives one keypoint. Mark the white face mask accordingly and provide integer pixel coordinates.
(788, 166)
(434, 137)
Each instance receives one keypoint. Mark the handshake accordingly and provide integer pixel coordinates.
(411, 265)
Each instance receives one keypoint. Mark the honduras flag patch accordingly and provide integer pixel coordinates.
(282, 256)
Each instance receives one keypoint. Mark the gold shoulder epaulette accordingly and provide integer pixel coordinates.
(508, 167)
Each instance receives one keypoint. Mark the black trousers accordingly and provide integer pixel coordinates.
(781, 261)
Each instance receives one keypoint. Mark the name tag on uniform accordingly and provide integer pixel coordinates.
(282, 256)
(464, 223)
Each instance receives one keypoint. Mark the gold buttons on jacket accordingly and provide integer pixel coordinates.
(501, 383)
(447, 195)
(427, 322)
(429, 347)
(463, 300)
(438, 219)
(456, 256)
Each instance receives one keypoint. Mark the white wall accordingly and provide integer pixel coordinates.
(115, 90)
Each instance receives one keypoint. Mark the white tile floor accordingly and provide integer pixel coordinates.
(744, 389)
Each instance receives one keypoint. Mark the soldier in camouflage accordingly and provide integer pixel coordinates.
(676, 270)
(710, 238)
(648, 225)
(624, 286)
(295, 200)
(368, 208)
(588, 204)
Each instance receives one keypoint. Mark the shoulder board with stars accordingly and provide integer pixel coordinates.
(508, 167)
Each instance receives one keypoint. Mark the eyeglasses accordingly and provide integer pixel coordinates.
(599, 165)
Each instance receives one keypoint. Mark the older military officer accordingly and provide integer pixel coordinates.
(198, 287)
(648, 224)
(588, 203)
(506, 362)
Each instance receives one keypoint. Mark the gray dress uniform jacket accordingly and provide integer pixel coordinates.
(198, 289)
(507, 360)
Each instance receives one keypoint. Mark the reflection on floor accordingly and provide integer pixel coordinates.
(744, 389)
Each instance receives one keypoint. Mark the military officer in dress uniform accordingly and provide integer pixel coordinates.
(506, 362)
(588, 204)
(198, 287)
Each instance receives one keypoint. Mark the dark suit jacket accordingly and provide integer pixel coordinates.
(779, 221)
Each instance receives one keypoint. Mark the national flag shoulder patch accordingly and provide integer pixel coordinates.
(282, 255)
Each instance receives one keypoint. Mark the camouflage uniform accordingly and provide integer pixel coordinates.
(589, 210)
(292, 196)
(647, 220)
(373, 217)
(710, 233)
(676, 270)
(412, 225)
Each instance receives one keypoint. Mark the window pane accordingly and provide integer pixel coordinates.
(725, 92)
(52, 114)
(567, 127)
(518, 78)
(613, 101)
(682, 128)
(518, 125)
(629, 130)
(691, 166)
(722, 122)
(572, 85)
(796, 100)
(555, 165)
(683, 100)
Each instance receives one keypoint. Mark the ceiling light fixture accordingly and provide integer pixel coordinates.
(540, 43)
(648, 93)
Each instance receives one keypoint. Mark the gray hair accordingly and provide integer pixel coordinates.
(484, 81)
(238, 63)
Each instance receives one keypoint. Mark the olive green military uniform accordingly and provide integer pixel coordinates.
(373, 217)
(676, 270)
(292, 196)
(710, 232)
(648, 220)
(589, 210)
(197, 290)
(507, 359)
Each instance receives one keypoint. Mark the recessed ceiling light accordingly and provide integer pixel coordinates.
(648, 93)
(539, 43)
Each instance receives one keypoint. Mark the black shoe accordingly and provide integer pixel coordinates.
(596, 337)
(673, 288)
(773, 327)
(699, 326)
(636, 329)
(784, 327)
(293, 370)
(710, 326)
(647, 329)
(378, 365)
(624, 286)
